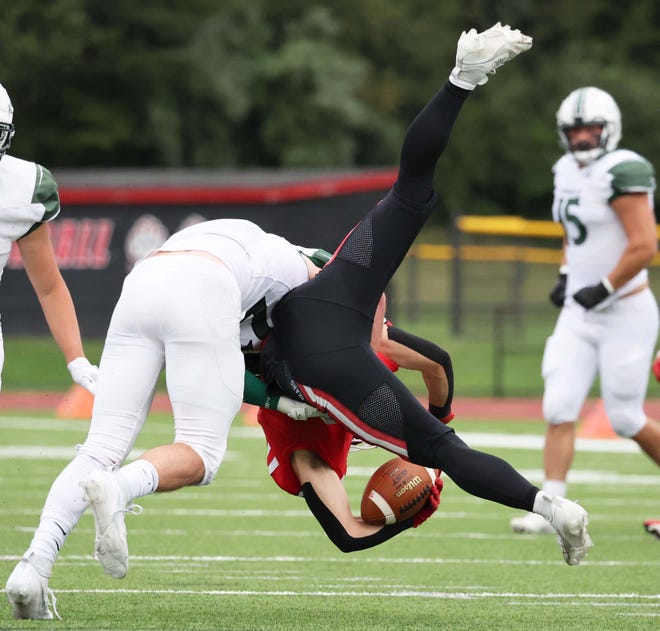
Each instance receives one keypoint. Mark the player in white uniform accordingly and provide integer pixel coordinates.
(29, 199)
(608, 325)
(188, 306)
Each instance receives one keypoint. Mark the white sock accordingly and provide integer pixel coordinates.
(137, 479)
(555, 487)
(43, 565)
(46, 544)
(542, 504)
(63, 508)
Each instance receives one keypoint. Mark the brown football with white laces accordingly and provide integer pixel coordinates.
(396, 491)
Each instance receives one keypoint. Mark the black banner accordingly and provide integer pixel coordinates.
(96, 246)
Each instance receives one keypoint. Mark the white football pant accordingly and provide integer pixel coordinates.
(616, 343)
(180, 311)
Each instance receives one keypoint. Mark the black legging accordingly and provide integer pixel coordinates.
(323, 328)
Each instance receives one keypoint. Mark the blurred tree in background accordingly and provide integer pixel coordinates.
(298, 84)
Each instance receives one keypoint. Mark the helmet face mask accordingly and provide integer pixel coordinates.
(6, 125)
(587, 107)
(6, 134)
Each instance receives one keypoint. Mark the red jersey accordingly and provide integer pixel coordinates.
(284, 435)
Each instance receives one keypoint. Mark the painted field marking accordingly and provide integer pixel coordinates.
(205, 559)
(408, 593)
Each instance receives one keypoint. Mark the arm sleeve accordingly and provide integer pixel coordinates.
(337, 533)
(45, 197)
(46, 193)
(317, 256)
(632, 176)
(434, 353)
(255, 392)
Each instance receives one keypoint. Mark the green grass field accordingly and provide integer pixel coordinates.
(240, 554)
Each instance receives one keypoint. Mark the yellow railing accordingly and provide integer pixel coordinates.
(509, 225)
(502, 225)
(505, 253)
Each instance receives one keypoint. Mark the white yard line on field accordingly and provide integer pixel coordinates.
(177, 560)
(474, 439)
(619, 598)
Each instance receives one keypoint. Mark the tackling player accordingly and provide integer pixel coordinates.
(191, 305)
(28, 200)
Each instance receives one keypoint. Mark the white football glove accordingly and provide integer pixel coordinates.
(83, 373)
(296, 409)
(357, 444)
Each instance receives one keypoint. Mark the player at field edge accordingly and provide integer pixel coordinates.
(320, 348)
(29, 199)
(608, 324)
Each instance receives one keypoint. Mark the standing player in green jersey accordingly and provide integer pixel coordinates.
(608, 325)
(28, 200)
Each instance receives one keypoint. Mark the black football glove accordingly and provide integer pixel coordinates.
(591, 295)
(558, 293)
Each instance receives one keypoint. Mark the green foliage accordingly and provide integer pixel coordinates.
(292, 84)
(308, 96)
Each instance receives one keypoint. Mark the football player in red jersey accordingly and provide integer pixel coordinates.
(320, 352)
(309, 458)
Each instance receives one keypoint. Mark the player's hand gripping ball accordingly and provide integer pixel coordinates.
(396, 491)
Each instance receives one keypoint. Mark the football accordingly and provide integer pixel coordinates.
(396, 491)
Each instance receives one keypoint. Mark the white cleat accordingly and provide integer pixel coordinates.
(29, 594)
(480, 54)
(532, 524)
(570, 522)
(102, 491)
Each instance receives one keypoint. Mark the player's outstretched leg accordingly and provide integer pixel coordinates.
(28, 592)
(481, 54)
(105, 499)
